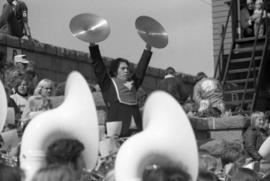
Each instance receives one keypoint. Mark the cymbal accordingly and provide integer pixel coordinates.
(89, 28)
(151, 31)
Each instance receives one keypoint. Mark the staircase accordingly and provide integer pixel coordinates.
(242, 74)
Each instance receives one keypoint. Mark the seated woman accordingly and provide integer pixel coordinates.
(40, 101)
(21, 94)
(255, 135)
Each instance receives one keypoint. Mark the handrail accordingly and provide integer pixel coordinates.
(252, 63)
(265, 49)
(222, 42)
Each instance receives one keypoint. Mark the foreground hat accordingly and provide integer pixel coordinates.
(21, 59)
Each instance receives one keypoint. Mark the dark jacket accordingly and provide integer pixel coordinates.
(253, 139)
(118, 111)
(173, 86)
(14, 19)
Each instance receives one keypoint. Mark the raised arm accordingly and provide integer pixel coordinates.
(101, 73)
(141, 68)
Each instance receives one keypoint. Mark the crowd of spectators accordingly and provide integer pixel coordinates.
(63, 157)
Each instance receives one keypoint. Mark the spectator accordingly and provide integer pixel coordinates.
(258, 16)
(244, 174)
(14, 19)
(208, 94)
(207, 163)
(247, 25)
(21, 94)
(66, 152)
(55, 173)
(207, 176)
(255, 135)
(40, 101)
(165, 173)
(8, 173)
(232, 157)
(21, 63)
(119, 88)
(172, 85)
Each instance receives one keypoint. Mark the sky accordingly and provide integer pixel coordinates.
(187, 22)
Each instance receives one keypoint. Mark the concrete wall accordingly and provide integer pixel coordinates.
(57, 62)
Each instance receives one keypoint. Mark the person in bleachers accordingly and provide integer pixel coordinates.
(244, 174)
(247, 25)
(258, 16)
(119, 87)
(255, 135)
(14, 19)
(8, 173)
(172, 85)
(40, 101)
(165, 173)
(232, 157)
(66, 152)
(208, 95)
(55, 173)
(21, 94)
(207, 176)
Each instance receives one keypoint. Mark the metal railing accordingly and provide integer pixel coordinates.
(252, 65)
(218, 66)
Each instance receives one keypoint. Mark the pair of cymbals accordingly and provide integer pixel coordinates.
(92, 29)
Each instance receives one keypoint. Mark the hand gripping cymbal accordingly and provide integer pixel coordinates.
(89, 28)
(151, 31)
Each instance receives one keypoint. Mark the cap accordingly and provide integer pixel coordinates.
(21, 59)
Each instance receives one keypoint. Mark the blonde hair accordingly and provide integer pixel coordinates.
(41, 84)
(254, 116)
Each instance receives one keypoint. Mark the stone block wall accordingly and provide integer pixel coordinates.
(57, 62)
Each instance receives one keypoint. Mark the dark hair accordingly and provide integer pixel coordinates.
(170, 70)
(207, 176)
(200, 75)
(266, 178)
(10, 173)
(64, 151)
(56, 173)
(166, 173)
(115, 65)
(244, 174)
(230, 155)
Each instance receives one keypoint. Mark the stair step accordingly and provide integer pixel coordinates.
(248, 59)
(238, 102)
(238, 91)
(247, 49)
(241, 112)
(236, 81)
(249, 39)
(242, 70)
